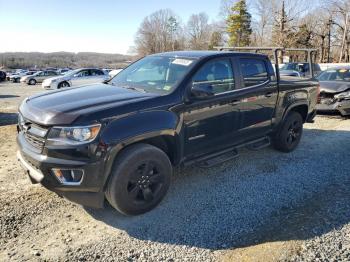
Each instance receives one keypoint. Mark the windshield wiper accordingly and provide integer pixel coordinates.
(134, 88)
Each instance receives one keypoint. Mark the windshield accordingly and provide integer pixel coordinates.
(335, 75)
(153, 74)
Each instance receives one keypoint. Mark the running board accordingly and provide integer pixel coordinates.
(229, 153)
(217, 158)
(259, 144)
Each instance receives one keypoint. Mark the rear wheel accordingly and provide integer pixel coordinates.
(32, 82)
(63, 84)
(288, 137)
(139, 179)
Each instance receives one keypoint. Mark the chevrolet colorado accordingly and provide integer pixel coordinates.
(119, 140)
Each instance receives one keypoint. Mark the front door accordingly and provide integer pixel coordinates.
(210, 123)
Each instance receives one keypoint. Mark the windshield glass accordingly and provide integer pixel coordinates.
(335, 75)
(153, 74)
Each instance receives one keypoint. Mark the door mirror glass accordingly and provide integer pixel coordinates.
(202, 90)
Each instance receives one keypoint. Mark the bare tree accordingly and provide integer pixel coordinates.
(158, 33)
(199, 31)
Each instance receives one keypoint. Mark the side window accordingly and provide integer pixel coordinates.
(83, 73)
(218, 74)
(95, 72)
(254, 71)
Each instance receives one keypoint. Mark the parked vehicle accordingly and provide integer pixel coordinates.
(15, 78)
(38, 77)
(120, 139)
(63, 71)
(76, 77)
(2, 76)
(114, 72)
(299, 69)
(335, 90)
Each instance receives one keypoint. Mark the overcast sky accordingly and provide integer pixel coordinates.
(104, 26)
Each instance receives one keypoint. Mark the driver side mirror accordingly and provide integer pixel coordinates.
(202, 91)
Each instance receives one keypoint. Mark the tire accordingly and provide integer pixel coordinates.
(139, 180)
(32, 82)
(290, 133)
(63, 85)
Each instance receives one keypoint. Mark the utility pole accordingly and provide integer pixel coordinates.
(344, 38)
(329, 40)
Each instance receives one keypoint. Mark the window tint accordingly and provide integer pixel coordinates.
(216, 73)
(254, 71)
(95, 72)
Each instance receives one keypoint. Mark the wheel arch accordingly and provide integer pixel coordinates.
(301, 107)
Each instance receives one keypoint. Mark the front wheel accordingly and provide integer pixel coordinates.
(139, 180)
(32, 82)
(63, 84)
(289, 135)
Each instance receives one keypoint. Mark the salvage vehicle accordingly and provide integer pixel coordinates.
(38, 77)
(76, 77)
(335, 90)
(299, 69)
(119, 140)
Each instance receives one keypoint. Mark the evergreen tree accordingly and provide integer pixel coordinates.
(239, 25)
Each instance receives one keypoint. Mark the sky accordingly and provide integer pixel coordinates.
(103, 26)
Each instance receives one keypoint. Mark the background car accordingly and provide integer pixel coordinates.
(335, 90)
(15, 78)
(114, 72)
(63, 71)
(299, 69)
(76, 77)
(2, 76)
(38, 77)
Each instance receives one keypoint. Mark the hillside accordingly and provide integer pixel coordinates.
(62, 59)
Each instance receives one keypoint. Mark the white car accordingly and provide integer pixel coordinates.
(114, 72)
(76, 77)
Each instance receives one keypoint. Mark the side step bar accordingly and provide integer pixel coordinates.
(229, 153)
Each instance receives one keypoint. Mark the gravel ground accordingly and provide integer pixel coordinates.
(264, 205)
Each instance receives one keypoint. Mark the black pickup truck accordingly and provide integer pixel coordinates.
(120, 140)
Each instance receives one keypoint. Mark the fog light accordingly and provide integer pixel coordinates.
(68, 176)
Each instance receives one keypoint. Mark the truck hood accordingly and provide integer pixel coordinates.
(334, 86)
(64, 106)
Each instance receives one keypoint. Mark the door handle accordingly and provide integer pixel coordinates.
(269, 94)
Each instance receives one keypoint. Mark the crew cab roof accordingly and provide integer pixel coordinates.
(205, 54)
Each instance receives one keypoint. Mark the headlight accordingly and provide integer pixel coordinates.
(343, 95)
(53, 80)
(73, 135)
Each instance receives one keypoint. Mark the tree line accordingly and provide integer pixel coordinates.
(62, 59)
(323, 25)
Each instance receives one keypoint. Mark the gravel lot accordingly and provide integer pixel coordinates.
(264, 205)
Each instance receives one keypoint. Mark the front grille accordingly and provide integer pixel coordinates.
(36, 142)
(33, 133)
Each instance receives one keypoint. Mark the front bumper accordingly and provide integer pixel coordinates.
(39, 168)
(343, 106)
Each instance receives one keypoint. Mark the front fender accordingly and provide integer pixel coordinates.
(130, 129)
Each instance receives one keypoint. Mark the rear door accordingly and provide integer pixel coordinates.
(97, 76)
(256, 96)
(81, 78)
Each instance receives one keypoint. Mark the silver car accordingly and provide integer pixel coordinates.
(38, 77)
(78, 77)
